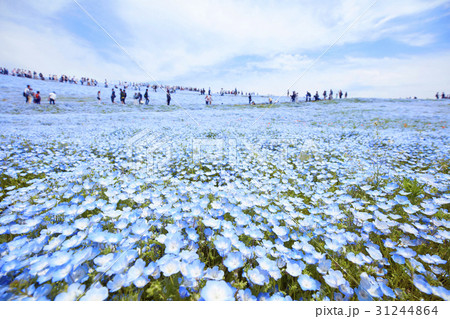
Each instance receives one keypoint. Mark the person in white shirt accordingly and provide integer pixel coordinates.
(52, 98)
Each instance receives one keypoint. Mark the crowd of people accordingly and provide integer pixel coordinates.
(443, 96)
(326, 96)
(35, 97)
(39, 76)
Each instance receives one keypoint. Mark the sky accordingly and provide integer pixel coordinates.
(385, 48)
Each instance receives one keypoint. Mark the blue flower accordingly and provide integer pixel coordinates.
(174, 243)
(308, 283)
(195, 269)
(223, 245)
(135, 272)
(258, 276)
(334, 278)
(363, 294)
(214, 273)
(217, 291)
(170, 267)
(294, 268)
(246, 295)
(421, 283)
(96, 293)
(234, 261)
(117, 282)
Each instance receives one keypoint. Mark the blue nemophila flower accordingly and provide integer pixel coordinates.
(174, 243)
(441, 292)
(278, 296)
(334, 278)
(398, 259)
(374, 253)
(432, 259)
(152, 269)
(217, 291)
(405, 252)
(223, 245)
(257, 276)
(195, 269)
(294, 268)
(170, 266)
(308, 283)
(363, 294)
(214, 273)
(385, 288)
(135, 272)
(96, 293)
(422, 284)
(234, 261)
(245, 295)
(370, 285)
(140, 228)
(323, 266)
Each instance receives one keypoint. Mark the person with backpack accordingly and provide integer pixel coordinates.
(27, 93)
(123, 96)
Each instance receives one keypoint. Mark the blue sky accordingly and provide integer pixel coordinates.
(397, 49)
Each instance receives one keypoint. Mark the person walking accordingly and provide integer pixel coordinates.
(324, 95)
(146, 97)
(249, 98)
(123, 96)
(99, 99)
(113, 96)
(52, 98)
(168, 97)
(28, 94)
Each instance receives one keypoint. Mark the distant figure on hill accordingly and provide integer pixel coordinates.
(27, 93)
(316, 96)
(123, 96)
(249, 98)
(330, 96)
(113, 96)
(308, 96)
(270, 100)
(437, 95)
(340, 94)
(37, 98)
(52, 98)
(345, 96)
(443, 95)
(324, 95)
(146, 97)
(208, 99)
(294, 96)
(98, 97)
(168, 97)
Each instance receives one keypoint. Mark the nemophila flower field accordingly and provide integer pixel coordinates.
(337, 200)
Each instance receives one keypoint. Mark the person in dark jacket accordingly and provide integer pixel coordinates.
(113, 96)
(168, 97)
(146, 97)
